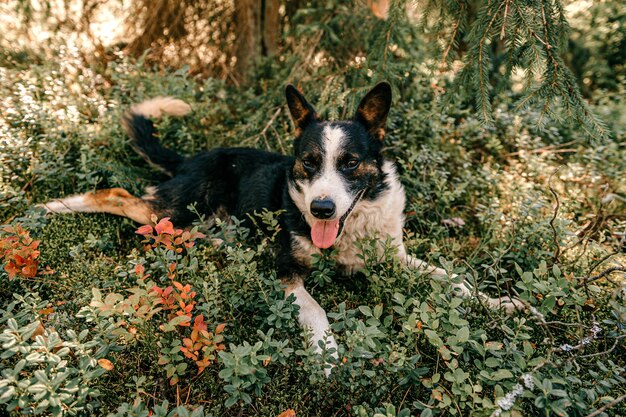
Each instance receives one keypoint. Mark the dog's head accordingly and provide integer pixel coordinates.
(337, 163)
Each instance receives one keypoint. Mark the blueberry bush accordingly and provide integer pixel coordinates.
(100, 316)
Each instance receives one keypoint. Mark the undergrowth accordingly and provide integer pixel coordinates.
(105, 317)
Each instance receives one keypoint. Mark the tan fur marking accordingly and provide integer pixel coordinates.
(291, 283)
(371, 113)
(366, 169)
(298, 170)
(302, 112)
(121, 203)
(302, 249)
(371, 109)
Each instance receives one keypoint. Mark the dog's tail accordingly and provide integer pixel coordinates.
(144, 137)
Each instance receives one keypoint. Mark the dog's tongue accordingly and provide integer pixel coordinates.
(324, 233)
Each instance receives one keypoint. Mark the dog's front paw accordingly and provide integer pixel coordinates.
(511, 304)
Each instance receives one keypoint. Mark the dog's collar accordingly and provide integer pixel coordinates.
(349, 211)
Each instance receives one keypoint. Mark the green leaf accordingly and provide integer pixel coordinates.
(378, 311)
(463, 334)
(492, 362)
(366, 311)
(501, 374)
(426, 412)
(433, 338)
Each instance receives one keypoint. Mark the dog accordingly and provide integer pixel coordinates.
(337, 188)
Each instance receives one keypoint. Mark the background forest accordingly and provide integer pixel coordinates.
(508, 127)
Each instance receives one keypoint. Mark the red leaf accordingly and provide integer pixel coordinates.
(165, 226)
(144, 230)
(30, 270)
(11, 269)
(199, 323)
(19, 259)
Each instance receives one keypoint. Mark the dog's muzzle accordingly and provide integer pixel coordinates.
(323, 208)
(324, 233)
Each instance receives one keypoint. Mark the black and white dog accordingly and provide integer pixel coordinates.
(336, 189)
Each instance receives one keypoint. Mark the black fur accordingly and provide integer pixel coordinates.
(240, 181)
(144, 140)
(235, 180)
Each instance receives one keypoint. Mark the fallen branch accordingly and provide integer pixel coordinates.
(611, 349)
(604, 274)
(555, 235)
(606, 407)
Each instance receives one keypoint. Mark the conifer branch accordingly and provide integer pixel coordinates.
(444, 58)
(533, 35)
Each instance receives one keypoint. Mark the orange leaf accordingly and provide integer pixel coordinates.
(38, 331)
(287, 413)
(30, 270)
(144, 230)
(220, 328)
(46, 311)
(106, 364)
(199, 323)
(165, 226)
(11, 269)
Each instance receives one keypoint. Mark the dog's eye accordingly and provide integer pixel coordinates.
(352, 163)
(308, 164)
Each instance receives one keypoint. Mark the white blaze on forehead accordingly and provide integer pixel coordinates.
(330, 183)
(334, 137)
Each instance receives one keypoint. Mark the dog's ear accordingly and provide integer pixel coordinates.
(373, 110)
(301, 111)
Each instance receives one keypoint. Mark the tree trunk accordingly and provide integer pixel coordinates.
(258, 29)
(248, 45)
(271, 27)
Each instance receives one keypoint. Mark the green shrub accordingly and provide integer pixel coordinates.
(512, 208)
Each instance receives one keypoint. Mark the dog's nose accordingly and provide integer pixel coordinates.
(323, 209)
